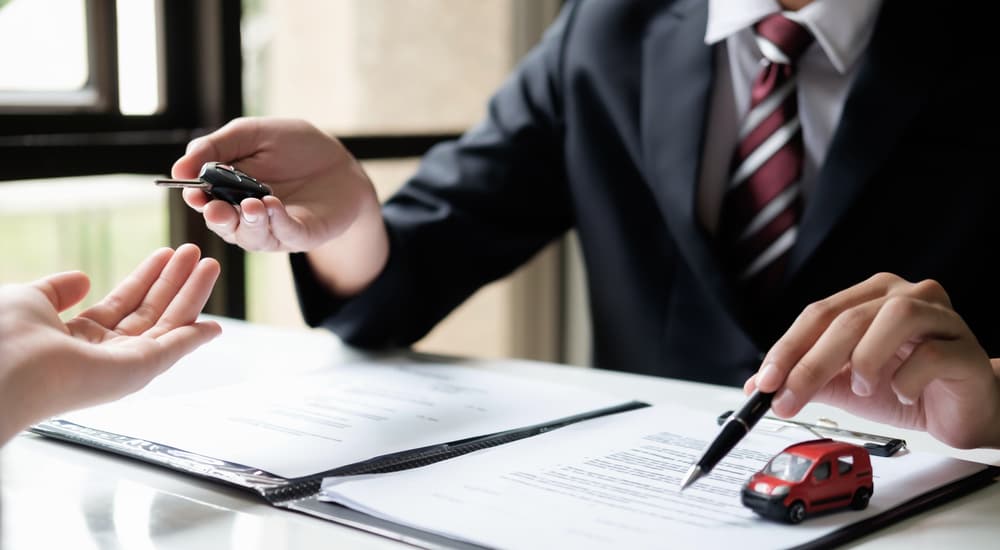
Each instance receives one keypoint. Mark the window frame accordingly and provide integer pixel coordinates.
(201, 69)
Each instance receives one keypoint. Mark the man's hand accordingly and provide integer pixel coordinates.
(892, 351)
(114, 348)
(323, 202)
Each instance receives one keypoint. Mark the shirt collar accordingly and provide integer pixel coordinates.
(841, 27)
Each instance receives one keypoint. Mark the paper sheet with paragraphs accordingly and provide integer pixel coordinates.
(613, 482)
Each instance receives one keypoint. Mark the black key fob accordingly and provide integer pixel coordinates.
(223, 182)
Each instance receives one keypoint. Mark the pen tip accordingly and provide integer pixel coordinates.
(692, 475)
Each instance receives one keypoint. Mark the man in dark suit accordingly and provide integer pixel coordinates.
(622, 124)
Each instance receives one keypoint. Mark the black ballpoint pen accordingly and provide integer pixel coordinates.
(736, 426)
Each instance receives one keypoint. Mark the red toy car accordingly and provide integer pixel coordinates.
(808, 477)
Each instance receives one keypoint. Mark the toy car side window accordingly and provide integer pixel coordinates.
(845, 463)
(822, 472)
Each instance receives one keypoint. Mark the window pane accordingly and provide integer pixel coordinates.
(44, 45)
(138, 60)
(376, 66)
(102, 225)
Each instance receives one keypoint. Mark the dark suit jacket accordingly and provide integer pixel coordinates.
(600, 129)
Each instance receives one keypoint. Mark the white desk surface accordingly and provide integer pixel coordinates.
(57, 495)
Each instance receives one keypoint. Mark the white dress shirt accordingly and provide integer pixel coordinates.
(841, 29)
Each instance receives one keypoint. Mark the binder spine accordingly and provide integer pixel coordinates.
(292, 491)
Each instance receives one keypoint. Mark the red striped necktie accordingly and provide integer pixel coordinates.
(763, 201)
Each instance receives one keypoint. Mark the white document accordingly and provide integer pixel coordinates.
(612, 482)
(301, 416)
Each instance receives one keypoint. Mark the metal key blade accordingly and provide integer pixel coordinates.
(195, 184)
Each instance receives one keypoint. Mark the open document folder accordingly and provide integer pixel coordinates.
(613, 482)
(277, 411)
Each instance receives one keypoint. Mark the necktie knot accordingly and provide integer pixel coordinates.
(782, 40)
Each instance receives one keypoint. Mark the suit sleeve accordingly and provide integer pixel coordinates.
(476, 209)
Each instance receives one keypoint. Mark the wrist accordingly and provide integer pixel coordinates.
(7, 409)
(11, 407)
(347, 264)
(22, 398)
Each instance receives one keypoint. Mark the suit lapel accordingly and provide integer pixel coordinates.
(676, 89)
(887, 93)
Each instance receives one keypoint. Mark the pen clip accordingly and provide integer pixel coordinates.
(877, 445)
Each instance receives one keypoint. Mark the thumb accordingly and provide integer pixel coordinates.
(64, 290)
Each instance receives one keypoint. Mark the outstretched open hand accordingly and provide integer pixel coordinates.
(109, 350)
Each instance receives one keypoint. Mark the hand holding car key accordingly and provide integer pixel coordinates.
(221, 181)
(321, 200)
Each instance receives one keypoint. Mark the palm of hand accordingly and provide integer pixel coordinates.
(67, 363)
(321, 207)
(113, 348)
(84, 358)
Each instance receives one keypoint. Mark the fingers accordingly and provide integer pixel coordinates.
(163, 291)
(825, 358)
(925, 365)
(199, 151)
(254, 229)
(899, 326)
(246, 226)
(810, 326)
(180, 341)
(110, 311)
(138, 303)
(195, 198)
(954, 359)
(257, 225)
(869, 328)
(232, 142)
(954, 383)
(222, 219)
(190, 300)
(64, 290)
(289, 231)
(866, 344)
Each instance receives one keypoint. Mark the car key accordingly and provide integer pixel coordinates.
(222, 181)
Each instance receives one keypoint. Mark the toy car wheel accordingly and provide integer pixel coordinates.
(861, 498)
(796, 512)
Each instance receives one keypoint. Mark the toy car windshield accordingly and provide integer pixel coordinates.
(788, 467)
